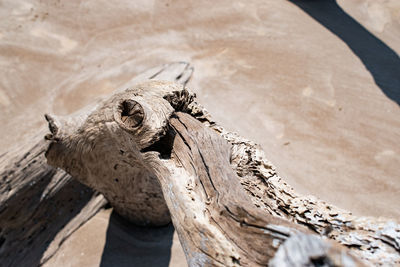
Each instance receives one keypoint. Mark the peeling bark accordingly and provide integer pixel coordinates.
(152, 149)
(374, 240)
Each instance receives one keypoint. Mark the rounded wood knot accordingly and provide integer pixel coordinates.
(132, 113)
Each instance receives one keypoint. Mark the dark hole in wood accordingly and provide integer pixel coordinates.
(321, 262)
(163, 146)
(235, 261)
(132, 113)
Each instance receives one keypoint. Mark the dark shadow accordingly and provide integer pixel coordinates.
(28, 223)
(131, 245)
(380, 60)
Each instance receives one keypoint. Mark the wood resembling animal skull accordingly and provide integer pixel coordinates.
(111, 147)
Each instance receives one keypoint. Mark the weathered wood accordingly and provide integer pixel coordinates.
(111, 136)
(226, 201)
(38, 203)
(41, 206)
(218, 223)
(375, 240)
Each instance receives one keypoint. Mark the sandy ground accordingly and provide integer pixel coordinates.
(107, 241)
(316, 83)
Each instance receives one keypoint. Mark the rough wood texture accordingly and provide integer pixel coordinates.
(40, 206)
(375, 240)
(227, 203)
(217, 221)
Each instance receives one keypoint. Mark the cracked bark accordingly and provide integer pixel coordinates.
(227, 203)
(41, 206)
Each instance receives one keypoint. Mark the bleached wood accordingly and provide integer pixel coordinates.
(40, 206)
(227, 203)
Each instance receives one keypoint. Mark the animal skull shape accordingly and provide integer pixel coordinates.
(112, 147)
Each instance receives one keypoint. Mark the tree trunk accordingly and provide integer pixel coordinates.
(40, 206)
(156, 155)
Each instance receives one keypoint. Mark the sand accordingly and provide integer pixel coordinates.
(106, 240)
(316, 83)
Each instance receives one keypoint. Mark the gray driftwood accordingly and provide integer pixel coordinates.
(157, 155)
(40, 206)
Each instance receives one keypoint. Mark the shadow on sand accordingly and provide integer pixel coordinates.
(381, 61)
(28, 225)
(131, 245)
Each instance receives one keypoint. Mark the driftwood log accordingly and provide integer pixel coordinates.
(41, 206)
(157, 155)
